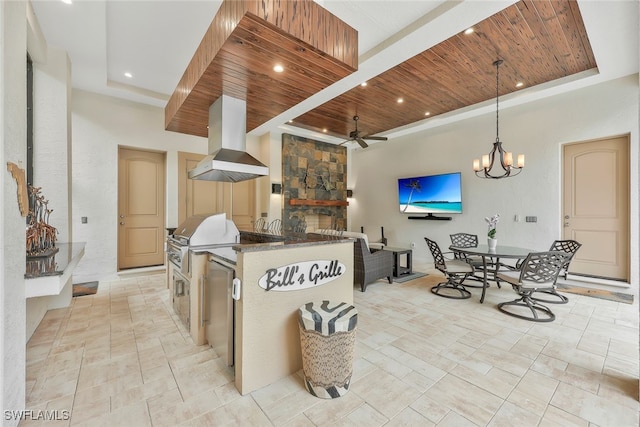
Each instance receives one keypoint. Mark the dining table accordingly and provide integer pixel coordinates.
(494, 255)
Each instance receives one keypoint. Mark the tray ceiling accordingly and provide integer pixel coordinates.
(414, 49)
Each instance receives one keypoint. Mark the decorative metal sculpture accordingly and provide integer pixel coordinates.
(41, 237)
(312, 179)
(19, 175)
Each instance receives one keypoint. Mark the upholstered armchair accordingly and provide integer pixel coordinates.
(370, 266)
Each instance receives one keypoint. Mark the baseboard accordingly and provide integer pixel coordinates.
(142, 271)
(597, 281)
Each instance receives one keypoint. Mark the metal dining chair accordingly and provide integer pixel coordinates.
(275, 227)
(539, 272)
(570, 247)
(454, 270)
(259, 225)
(300, 227)
(466, 240)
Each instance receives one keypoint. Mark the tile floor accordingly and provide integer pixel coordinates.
(121, 358)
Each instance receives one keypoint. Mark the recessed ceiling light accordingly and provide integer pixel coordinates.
(469, 31)
(128, 75)
(519, 84)
(427, 113)
(278, 68)
(324, 130)
(66, 1)
(400, 100)
(363, 84)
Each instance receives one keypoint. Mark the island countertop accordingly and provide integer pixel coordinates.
(251, 241)
(265, 242)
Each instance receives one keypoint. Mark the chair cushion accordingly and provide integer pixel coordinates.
(513, 277)
(351, 234)
(376, 245)
(457, 266)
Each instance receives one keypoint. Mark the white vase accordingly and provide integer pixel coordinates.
(492, 243)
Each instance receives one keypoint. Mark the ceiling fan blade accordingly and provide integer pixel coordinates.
(376, 138)
(346, 140)
(362, 143)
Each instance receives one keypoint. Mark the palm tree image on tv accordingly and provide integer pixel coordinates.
(414, 185)
(430, 194)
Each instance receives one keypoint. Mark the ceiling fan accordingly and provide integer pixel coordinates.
(355, 136)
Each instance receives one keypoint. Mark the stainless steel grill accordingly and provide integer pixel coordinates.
(200, 230)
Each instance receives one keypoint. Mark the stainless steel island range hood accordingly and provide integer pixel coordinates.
(228, 159)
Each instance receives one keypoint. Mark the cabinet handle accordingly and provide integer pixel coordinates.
(179, 288)
(202, 305)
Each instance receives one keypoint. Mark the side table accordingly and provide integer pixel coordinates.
(398, 268)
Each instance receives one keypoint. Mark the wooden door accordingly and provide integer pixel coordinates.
(141, 208)
(244, 204)
(207, 197)
(596, 206)
(195, 197)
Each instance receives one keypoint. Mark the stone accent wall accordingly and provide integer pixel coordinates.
(313, 170)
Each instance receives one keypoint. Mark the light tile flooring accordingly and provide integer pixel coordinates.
(121, 358)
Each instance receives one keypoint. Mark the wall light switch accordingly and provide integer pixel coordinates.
(516, 218)
(532, 219)
(84, 219)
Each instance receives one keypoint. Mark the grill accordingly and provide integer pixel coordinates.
(200, 230)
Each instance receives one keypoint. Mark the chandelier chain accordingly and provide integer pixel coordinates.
(497, 94)
(498, 156)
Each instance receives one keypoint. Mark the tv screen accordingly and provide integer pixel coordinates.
(430, 194)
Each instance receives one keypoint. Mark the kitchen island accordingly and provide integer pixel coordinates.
(275, 278)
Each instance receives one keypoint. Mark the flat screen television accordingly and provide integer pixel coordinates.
(430, 194)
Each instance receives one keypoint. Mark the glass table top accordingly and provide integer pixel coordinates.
(500, 251)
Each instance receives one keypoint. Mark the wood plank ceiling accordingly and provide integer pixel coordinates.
(539, 41)
(239, 50)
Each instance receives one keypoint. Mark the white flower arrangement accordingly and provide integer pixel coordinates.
(493, 221)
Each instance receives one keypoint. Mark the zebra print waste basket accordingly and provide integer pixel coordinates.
(327, 339)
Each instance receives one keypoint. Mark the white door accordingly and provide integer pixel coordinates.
(596, 206)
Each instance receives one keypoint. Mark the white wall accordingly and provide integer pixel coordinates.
(537, 129)
(100, 125)
(276, 201)
(52, 137)
(52, 160)
(13, 137)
